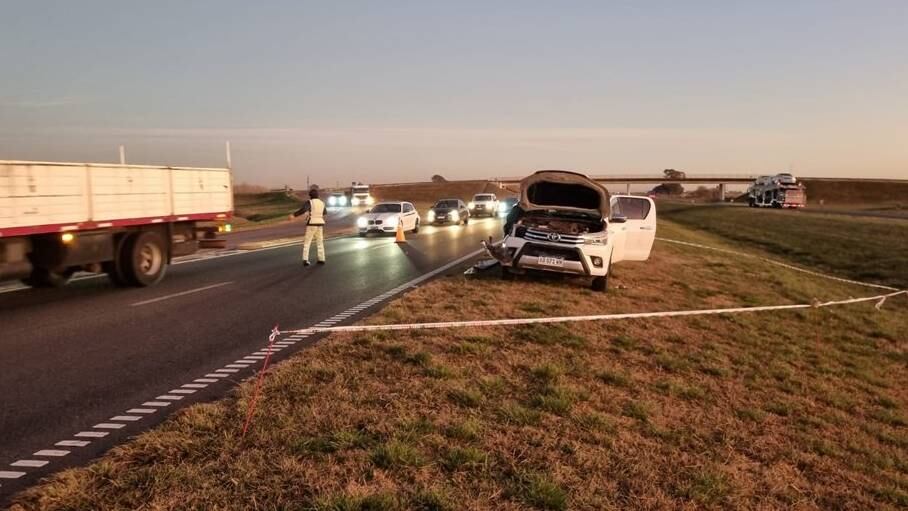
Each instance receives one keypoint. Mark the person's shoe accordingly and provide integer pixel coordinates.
(305, 263)
(321, 262)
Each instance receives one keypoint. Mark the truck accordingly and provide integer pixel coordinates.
(778, 191)
(128, 221)
(567, 223)
(359, 195)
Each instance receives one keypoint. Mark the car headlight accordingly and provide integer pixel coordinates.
(455, 216)
(369, 200)
(472, 205)
(361, 222)
(431, 215)
(354, 201)
(342, 200)
(332, 201)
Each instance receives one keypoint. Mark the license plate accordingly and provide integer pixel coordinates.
(552, 261)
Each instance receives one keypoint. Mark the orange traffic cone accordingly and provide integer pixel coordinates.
(400, 233)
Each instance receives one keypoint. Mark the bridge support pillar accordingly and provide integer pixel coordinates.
(721, 192)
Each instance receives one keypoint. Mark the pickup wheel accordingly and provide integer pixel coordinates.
(41, 277)
(600, 284)
(416, 227)
(145, 259)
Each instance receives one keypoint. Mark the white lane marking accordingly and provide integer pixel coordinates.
(205, 380)
(255, 357)
(51, 452)
(72, 443)
(7, 474)
(141, 410)
(195, 386)
(127, 418)
(237, 366)
(168, 397)
(182, 293)
(215, 375)
(108, 425)
(29, 463)
(183, 391)
(91, 434)
(244, 362)
(227, 371)
(155, 403)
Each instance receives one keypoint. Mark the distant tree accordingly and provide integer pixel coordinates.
(668, 189)
(438, 178)
(674, 174)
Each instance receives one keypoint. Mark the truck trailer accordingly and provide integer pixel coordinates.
(128, 221)
(778, 191)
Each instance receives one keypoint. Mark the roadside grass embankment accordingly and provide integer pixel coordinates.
(866, 249)
(263, 208)
(770, 410)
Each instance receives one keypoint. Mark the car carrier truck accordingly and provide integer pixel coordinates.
(127, 221)
(778, 191)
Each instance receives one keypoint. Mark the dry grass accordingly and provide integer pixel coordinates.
(800, 409)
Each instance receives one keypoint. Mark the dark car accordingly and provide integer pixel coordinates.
(449, 211)
(506, 205)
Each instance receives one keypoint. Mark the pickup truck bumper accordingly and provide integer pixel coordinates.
(582, 260)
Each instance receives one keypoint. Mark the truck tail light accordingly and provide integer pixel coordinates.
(67, 237)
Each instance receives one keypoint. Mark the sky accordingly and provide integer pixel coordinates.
(390, 91)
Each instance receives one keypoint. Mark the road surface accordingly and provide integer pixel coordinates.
(87, 366)
(339, 221)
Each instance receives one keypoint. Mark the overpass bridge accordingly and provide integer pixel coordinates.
(718, 179)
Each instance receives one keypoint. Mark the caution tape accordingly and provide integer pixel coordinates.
(596, 317)
(879, 299)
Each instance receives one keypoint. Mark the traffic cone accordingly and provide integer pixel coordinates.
(400, 233)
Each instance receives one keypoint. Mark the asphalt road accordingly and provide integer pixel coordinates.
(339, 220)
(89, 358)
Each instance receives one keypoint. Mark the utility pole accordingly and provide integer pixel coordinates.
(122, 155)
(227, 147)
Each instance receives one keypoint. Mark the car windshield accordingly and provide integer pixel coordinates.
(482, 198)
(386, 208)
(446, 204)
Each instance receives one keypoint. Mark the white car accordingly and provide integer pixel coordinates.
(384, 217)
(568, 223)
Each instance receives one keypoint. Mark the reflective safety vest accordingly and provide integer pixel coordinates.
(316, 212)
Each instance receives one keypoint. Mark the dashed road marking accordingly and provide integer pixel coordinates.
(51, 452)
(168, 397)
(8, 474)
(183, 391)
(141, 410)
(127, 418)
(181, 293)
(108, 425)
(72, 443)
(215, 375)
(227, 371)
(91, 434)
(29, 463)
(195, 386)
(155, 403)
(205, 380)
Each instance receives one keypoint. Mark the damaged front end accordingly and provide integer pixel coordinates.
(561, 226)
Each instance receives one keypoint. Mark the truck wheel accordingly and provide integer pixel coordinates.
(41, 277)
(145, 259)
(600, 284)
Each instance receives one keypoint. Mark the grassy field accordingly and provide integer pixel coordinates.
(858, 247)
(802, 409)
(262, 208)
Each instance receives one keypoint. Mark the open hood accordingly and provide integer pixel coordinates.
(564, 191)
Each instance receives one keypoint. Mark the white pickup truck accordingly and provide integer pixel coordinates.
(567, 223)
(125, 220)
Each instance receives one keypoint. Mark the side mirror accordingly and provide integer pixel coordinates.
(619, 219)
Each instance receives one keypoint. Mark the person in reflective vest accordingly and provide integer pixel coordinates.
(315, 226)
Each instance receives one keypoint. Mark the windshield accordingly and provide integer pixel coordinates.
(446, 204)
(483, 197)
(386, 208)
